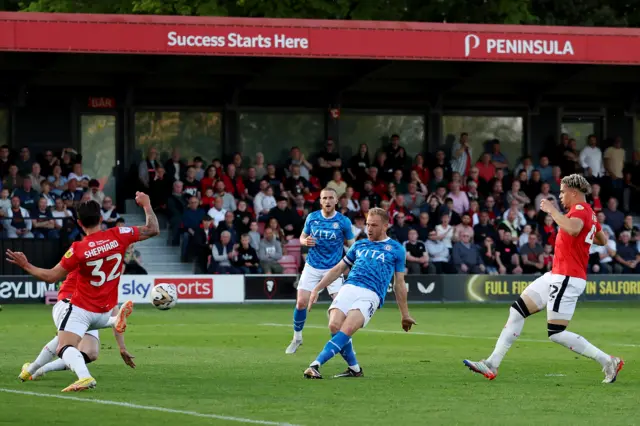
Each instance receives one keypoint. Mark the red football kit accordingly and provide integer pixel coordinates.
(68, 286)
(572, 253)
(99, 259)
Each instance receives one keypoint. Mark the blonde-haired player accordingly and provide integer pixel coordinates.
(559, 289)
(325, 232)
(373, 263)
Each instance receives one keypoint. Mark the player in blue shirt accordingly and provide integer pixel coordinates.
(325, 233)
(373, 262)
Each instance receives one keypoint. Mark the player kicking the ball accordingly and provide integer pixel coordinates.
(325, 233)
(559, 289)
(89, 346)
(98, 258)
(373, 263)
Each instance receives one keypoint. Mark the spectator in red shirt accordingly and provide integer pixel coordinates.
(207, 199)
(420, 186)
(209, 179)
(596, 202)
(549, 231)
(378, 184)
(486, 169)
(398, 206)
(419, 167)
(233, 183)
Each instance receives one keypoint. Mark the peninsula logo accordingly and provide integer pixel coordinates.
(517, 47)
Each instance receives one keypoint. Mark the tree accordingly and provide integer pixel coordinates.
(546, 12)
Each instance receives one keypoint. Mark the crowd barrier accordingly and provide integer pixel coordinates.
(282, 288)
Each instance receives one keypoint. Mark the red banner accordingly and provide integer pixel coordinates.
(319, 39)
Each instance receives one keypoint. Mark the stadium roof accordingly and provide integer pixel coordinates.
(171, 35)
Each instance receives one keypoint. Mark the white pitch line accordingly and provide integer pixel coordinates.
(424, 333)
(148, 408)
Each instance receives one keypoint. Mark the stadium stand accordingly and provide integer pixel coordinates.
(473, 212)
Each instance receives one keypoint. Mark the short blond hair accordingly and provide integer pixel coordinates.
(382, 213)
(578, 182)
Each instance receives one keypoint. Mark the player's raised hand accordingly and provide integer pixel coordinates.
(17, 258)
(309, 241)
(407, 323)
(142, 199)
(313, 298)
(127, 358)
(547, 206)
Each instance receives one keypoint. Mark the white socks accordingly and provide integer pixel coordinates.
(580, 345)
(355, 368)
(75, 361)
(47, 354)
(297, 335)
(111, 321)
(509, 334)
(57, 365)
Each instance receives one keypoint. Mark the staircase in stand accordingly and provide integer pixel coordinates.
(158, 258)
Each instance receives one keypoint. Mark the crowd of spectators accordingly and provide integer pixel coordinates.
(39, 196)
(456, 212)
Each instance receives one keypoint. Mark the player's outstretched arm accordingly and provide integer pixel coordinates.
(570, 225)
(152, 227)
(400, 290)
(126, 356)
(55, 274)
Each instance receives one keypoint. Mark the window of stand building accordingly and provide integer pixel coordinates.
(274, 134)
(580, 132)
(193, 133)
(482, 130)
(98, 141)
(376, 131)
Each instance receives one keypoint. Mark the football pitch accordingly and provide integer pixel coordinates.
(225, 365)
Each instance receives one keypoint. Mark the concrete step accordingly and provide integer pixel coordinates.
(169, 268)
(150, 257)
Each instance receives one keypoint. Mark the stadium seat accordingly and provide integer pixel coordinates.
(50, 297)
(289, 264)
(294, 249)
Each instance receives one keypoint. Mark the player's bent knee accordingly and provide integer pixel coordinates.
(60, 350)
(89, 357)
(334, 327)
(521, 307)
(554, 329)
(302, 303)
(302, 299)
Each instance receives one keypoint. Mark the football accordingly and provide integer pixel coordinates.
(164, 296)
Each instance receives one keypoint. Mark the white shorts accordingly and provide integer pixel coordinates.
(76, 320)
(351, 298)
(559, 293)
(311, 277)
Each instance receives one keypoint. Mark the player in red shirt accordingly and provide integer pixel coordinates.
(89, 346)
(559, 289)
(98, 258)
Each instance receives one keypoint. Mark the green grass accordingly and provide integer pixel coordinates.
(220, 360)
